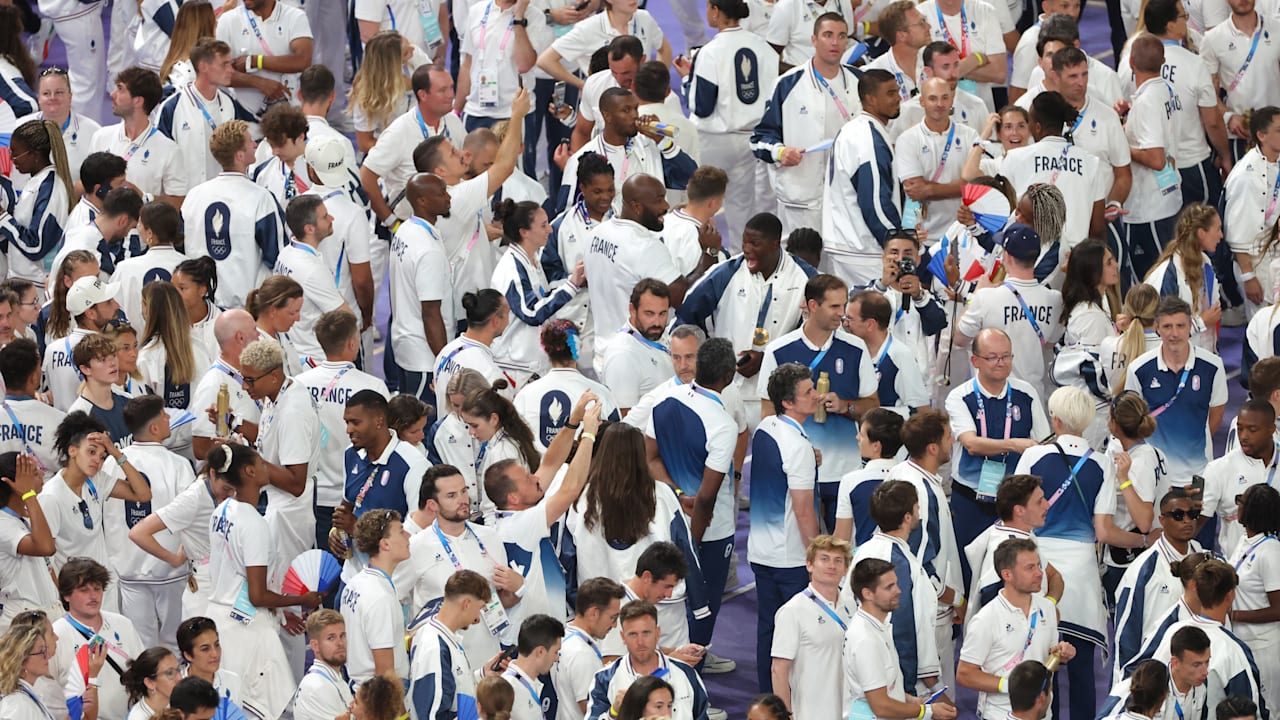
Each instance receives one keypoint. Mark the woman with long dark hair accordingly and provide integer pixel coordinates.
(531, 299)
(648, 697)
(502, 434)
(36, 150)
(196, 280)
(17, 74)
(170, 359)
(1090, 296)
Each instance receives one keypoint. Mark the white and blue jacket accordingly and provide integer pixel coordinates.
(691, 702)
(860, 202)
(532, 301)
(1146, 593)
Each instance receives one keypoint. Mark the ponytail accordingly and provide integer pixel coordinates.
(490, 402)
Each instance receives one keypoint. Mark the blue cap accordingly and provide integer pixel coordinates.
(1021, 242)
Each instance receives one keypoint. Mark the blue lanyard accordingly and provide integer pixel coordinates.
(253, 23)
(586, 639)
(425, 226)
(1071, 479)
(385, 576)
(484, 450)
(1026, 311)
(1253, 550)
(963, 47)
(799, 428)
(22, 432)
(537, 701)
(304, 248)
(651, 343)
(391, 13)
(93, 491)
(982, 410)
(36, 700)
(946, 151)
(199, 103)
(708, 394)
(133, 148)
(1182, 382)
(1173, 695)
(443, 363)
(426, 131)
(884, 352)
(844, 113)
(764, 306)
(826, 608)
(1253, 48)
(449, 548)
(813, 364)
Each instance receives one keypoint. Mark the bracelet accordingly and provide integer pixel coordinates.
(1246, 277)
(573, 426)
(866, 28)
(1126, 484)
(93, 682)
(981, 60)
(260, 61)
(1051, 599)
(679, 492)
(920, 715)
(589, 436)
(958, 604)
(612, 712)
(28, 495)
(1003, 685)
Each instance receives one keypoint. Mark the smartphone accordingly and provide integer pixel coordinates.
(507, 654)
(744, 359)
(1196, 486)
(581, 6)
(557, 95)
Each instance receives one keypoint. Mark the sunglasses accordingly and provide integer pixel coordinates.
(1179, 515)
(88, 519)
(54, 70)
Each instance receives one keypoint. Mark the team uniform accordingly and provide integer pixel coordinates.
(26, 582)
(375, 621)
(871, 662)
(186, 518)
(791, 26)
(978, 28)
(30, 429)
(323, 693)
(417, 20)
(1232, 666)
(621, 253)
(243, 407)
(967, 110)
(916, 649)
(1146, 593)
(1248, 213)
(441, 682)
(486, 40)
(1182, 401)
(154, 162)
(545, 403)
(158, 263)
(574, 674)
(247, 34)
(859, 201)
(1257, 562)
(809, 631)
(1055, 161)
(1030, 314)
(1176, 705)
(1226, 478)
(854, 502)
(1230, 55)
(571, 233)
(1000, 636)
(240, 225)
(122, 645)
(394, 166)
(76, 521)
(639, 155)
(531, 552)
(419, 273)
(41, 217)
(188, 119)
(902, 387)
(1156, 196)
(472, 255)
(532, 301)
(691, 701)
(937, 157)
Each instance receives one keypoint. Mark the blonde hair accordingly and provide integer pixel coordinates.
(465, 382)
(59, 318)
(1140, 305)
(1074, 407)
(15, 647)
(226, 141)
(379, 84)
(44, 137)
(495, 696)
(166, 322)
(1186, 246)
(1130, 413)
(262, 355)
(194, 21)
(828, 543)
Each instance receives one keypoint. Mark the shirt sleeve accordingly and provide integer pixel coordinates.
(431, 276)
(721, 441)
(961, 419)
(181, 513)
(255, 543)
(786, 634)
(1219, 396)
(1145, 128)
(977, 640)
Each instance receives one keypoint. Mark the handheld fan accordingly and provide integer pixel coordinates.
(312, 571)
(989, 206)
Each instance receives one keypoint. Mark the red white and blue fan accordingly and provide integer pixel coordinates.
(989, 206)
(312, 571)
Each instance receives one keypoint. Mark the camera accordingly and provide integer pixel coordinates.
(906, 266)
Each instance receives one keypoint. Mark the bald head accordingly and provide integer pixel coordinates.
(234, 329)
(428, 195)
(644, 200)
(642, 188)
(991, 340)
(421, 185)
(935, 85)
(1147, 54)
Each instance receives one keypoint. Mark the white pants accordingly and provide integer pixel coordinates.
(195, 603)
(855, 270)
(731, 152)
(794, 217)
(155, 608)
(329, 27)
(254, 652)
(689, 13)
(120, 52)
(942, 631)
(86, 60)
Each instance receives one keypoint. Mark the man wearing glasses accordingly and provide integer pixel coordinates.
(1252, 462)
(995, 418)
(1149, 588)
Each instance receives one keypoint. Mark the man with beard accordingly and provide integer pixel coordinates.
(637, 361)
(1253, 462)
(323, 694)
(422, 294)
(860, 199)
(627, 249)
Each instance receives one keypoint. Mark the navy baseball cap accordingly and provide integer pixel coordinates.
(1022, 242)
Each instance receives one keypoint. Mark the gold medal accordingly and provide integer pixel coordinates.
(760, 338)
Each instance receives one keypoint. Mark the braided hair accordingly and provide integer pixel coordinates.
(1048, 211)
(44, 138)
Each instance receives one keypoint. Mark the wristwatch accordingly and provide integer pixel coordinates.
(522, 22)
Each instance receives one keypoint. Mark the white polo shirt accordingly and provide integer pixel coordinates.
(1224, 479)
(854, 501)
(1224, 49)
(248, 34)
(331, 385)
(243, 407)
(1000, 636)
(595, 32)
(187, 518)
(39, 423)
(320, 294)
(870, 662)
(1153, 123)
(464, 353)
(937, 157)
(80, 532)
(791, 26)
(633, 365)
(239, 538)
(620, 254)
(154, 163)
(392, 157)
(375, 621)
(694, 433)
(489, 39)
(1182, 432)
(419, 273)
(528, 694)
(809, 630)
(783, 461)
(575, 674)
(1186, 72)
(977, 28)
(322, 694)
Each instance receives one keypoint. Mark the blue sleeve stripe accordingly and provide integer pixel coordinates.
(15, 93)
(552, 264)
(767, 137)
(529, 307)
(904, 619)
(705, 95)
(704, 297)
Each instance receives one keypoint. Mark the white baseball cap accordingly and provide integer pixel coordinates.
(89, 291)
(329, 159)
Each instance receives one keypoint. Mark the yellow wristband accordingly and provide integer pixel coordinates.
(866, 28)
(260, 61)
(1052, 599)
(589, 436)
(921, 713)
(28, 495)
(1003, 685)
(1126, 484)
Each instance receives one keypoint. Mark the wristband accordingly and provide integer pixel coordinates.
(679, 492)
(28, 495)
(958, 604)
(1052, 599)
(589, 436)
(260, 61)
(1126, 484)
(981, 60)
(612, 712)
(866, 28)
(920, 715)
(1246, 277)
(93, 682)
(1003, 685)
(573, 426)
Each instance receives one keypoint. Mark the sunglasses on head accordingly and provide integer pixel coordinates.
(1179, 515)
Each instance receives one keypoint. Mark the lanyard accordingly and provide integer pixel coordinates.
(368, 483)
(1066, 150)
(963, 47)
(1031, 634)
(67, 343)
(799, 428)
(1026, 311)
(319, 671)
(292, 182)
(391, 583)
(1182, 382)
(484, 29)
(199, 103)
(1275, 192)
(1253, 48)
(445, 362)
(1253, 550)
(425, 226)
(884, 352)
(821, 354)
(946, 150)
(640, 336)
(444, 542)
(537, 701)
(709, 395)
(422, 124)
(574, 632)
(626, 159)
(1275, 459)
(89, 634)
(982, 410)
(253, 24)
(1071, 479)
(235, 374)
(826, 608)
(133, 148)
(304, 248)
(479, 461)
(844, 112)
(44, 710)
(764, 306)
(22, 432)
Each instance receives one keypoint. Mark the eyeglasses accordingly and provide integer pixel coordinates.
(1179, 515)
(998, 359)
(14, 158)
(88, 519)
(171, 672)
(39, 653)
(249, 381)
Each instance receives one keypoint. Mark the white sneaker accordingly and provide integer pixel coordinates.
(714, 713)
(716, 665)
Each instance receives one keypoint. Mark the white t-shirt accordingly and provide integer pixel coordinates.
(632, 366)
(977, 28)
(123, 645)
(489, 39)
(168, 474)
(331, 385)
(622, 253)
(243, 407)
(999, 634)
(76, 521)
(154, 163)
(157, 263)
(238, 538)
(319, 293)
(60, 372)
(574, 675)
(783, 461)
(39, 424)
(187, 518)
(375, 621)
(1054, 161)
(24, 579)
(248, 34)
(419, 273)
(595, 32)
(1224, 479)
(1153, 123)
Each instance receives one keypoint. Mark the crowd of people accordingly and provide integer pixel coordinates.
(511, 310)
